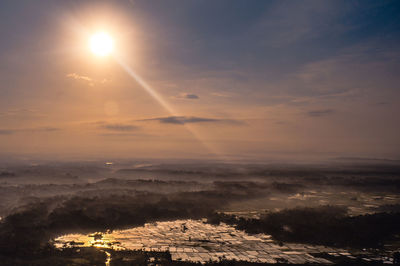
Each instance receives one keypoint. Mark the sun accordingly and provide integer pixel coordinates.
(101, 44)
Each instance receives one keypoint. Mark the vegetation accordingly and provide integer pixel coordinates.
(327, 225)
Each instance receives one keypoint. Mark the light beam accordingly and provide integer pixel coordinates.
(166, 106)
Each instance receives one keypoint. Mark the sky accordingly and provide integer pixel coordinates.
(229, 80)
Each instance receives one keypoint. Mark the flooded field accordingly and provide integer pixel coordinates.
(197, 241)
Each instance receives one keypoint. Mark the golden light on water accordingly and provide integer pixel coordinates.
(101, 44)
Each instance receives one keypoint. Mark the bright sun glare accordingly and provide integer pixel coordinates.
(101, 44)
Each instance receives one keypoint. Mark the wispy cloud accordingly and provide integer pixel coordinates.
(90, 81)
(31, 130)
(181, 120)
(221, 94)
(190, 96)
(22, 113)
(80, 77)
(6, 131)
(119, 127)
(41, 129)
(383, 103)
(50, 129)
(321, 112)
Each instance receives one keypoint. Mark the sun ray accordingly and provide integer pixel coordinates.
(168, 107)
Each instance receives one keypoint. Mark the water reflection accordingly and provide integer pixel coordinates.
(197, 241)
(108, 259)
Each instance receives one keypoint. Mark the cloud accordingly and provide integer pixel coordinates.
(24, 113)
(48, 129)
(219, 94)
(321, 112)
(189, 96)
(80, 77)
(6, 131)
(382, 103)
(86, 79)
(38, 129)
(119, 127)
(181, 120)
